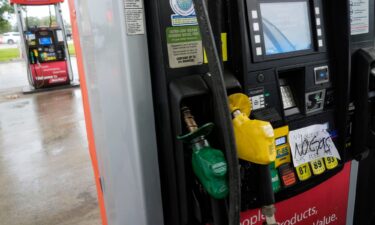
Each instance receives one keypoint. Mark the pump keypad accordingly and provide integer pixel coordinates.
(287, 96)
(258, 102)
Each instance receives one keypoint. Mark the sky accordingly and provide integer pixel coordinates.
(42, 11)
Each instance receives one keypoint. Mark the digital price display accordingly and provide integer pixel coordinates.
(280, 141)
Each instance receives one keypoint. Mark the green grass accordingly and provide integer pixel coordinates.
(8, 54)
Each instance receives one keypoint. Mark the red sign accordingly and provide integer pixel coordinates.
(50, 73)
(35, 2)
(325, 204)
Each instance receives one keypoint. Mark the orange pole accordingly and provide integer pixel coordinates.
(86, 109)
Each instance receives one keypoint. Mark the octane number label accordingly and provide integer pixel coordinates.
(331, 162)
(303, 172)
(318, 166)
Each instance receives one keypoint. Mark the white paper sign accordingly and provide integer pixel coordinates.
(311, 143)
(134, 17)
(359, 16)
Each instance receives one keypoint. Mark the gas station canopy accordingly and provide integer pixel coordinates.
(35, 2)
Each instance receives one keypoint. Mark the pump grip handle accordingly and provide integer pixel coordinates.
(266, 194)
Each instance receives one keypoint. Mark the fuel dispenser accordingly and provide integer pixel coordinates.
(293, 70)
(250, 104)
(45, 48)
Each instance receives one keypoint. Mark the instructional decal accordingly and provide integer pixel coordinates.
(311, 143)
(184, 13)
(184, 46)
(134, 17)
(359, 16)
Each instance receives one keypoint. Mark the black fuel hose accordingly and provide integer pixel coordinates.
(217, 86)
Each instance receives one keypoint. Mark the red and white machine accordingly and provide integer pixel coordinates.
(45, 48)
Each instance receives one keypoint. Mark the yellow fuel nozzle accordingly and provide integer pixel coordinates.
(255, 139)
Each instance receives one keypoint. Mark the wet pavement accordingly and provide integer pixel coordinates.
(46, 177)
(13, 75)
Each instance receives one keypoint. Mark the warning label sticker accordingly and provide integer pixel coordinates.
(134, 17)
(135, 4)
(184, 46)
(359, 16)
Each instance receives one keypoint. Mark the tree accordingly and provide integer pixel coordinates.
(41, 22)
(47, 21)
(5, 11)
(32, 21)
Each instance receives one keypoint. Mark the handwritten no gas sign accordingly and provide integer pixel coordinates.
(311, 143)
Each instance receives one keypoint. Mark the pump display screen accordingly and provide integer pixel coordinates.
(286, 27)
(45, 41)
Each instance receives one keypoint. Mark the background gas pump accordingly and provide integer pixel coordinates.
(363, 120)
(363, 139)
(362, 111)
(45, 48)
(364, 100)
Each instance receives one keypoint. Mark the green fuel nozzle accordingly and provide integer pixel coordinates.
(209, 164)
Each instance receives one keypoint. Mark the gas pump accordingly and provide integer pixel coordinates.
(290, 73)
(45, 48)
(288, 67)
(250, 104)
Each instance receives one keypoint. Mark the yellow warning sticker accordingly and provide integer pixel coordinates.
(224, 48)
